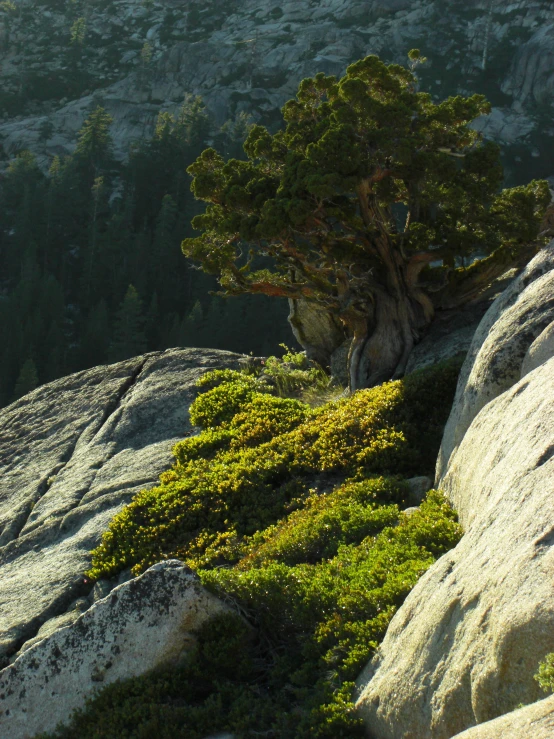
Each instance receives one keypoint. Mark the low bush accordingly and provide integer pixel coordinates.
(257, 457)
(296, 515)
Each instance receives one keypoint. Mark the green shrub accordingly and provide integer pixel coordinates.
(295, 375)
(545, 675)
(231, 481)
(339, 607)
(347, 514)
(296, 515)
(319, 619)
(222, 402)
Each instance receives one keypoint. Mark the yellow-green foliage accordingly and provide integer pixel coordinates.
(324, 522)
(296, 515)
(545, 675)
(259, 454)
(294, 375)
(337, 595)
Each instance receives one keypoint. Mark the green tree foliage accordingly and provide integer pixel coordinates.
(27, 379)
(368, 204)
(78, 32)
(94, 143)
(129, 338)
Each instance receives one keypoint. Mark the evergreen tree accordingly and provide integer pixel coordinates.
(194, 325)
(27, 379)
(94, 144)
(360, 210)
(129, 339)
(95, 339)
(71, 244)
(152, 323)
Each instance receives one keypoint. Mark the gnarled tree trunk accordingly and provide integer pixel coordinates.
(382, 330)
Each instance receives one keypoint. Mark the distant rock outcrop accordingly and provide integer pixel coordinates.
(72, 453)
(137, 57)
(142, 624)
(465, 645)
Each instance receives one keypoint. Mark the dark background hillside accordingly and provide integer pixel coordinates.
(92, 215)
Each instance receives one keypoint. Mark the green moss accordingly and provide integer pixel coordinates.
(295, 514)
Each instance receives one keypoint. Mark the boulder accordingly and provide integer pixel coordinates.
(463, 648)
(465, 645)
(141, 625)
(494, 361)
(536, 721)
(72, 453)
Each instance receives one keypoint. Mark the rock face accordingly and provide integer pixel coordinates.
(494, 362)
(465, 645)
(72, 453)
(142, 624)
(138, 57)
(535, 721)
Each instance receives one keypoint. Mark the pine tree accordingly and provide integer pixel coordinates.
(27, 379)
(95, 339)
(129, 339)
(152, 324)
(94, 144)
(165, 254)
(360, 209)
(194, 325)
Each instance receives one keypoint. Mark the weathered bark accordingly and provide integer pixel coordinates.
(383, 312)
(383, 329)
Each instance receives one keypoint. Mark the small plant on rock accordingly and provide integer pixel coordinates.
(545, 675)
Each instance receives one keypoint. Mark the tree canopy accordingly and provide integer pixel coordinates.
(374, 204)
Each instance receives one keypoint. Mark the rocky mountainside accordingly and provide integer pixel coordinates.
(136, 57)
(462, 649)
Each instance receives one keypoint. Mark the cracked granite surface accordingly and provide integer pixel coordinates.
(72, 453)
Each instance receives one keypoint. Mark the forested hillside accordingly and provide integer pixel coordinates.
(90, 265)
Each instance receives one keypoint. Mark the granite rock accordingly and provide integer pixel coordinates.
(72, 453)
(531, 722)
(494, 361)
(143, 624)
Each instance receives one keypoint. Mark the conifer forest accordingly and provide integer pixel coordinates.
(91, 269)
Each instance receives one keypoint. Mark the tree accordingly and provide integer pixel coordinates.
(27, 379)
(95, 336)
(78, 32)
(359, 211)
(129, 339)
(94, 143)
